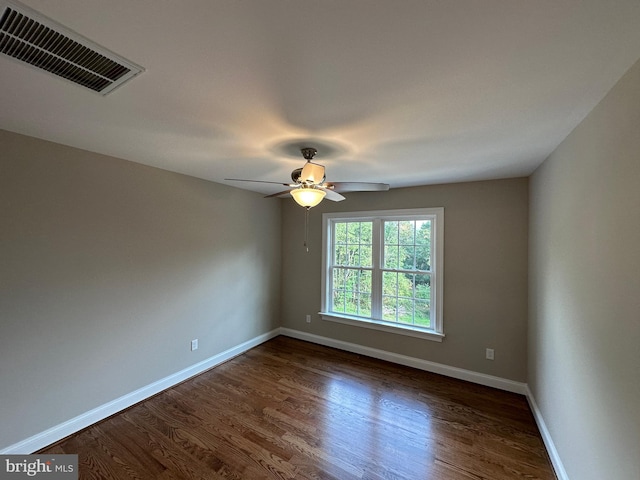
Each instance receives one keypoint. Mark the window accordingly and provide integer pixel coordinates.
(383, 270)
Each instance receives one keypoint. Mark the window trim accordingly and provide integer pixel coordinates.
(437, 268)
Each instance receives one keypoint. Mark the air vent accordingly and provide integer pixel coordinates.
(30, 37)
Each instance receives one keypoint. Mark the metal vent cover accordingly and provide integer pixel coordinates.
(30, 37)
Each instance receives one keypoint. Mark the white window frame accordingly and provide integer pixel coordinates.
(436, 215)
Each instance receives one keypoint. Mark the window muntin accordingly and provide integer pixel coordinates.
(384, 269)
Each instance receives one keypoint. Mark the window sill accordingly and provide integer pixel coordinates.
(383, 326)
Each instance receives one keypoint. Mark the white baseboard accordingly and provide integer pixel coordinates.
(561, 473)
(459, 373)
(62, 430)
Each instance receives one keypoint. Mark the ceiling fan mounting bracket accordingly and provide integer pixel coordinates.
(308, 153)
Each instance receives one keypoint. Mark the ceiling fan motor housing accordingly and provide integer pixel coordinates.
(295, 175)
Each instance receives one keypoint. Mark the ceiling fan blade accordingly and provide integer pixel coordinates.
(279, 194)
(357, 186)
(256, 181)
(333, 196)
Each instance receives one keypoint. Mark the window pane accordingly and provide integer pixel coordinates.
(407, 230)
(347, 255)
(340, 233)
(338, 278)
(406, 257)
(407, 244)
(353, 232)
(405, 310)
(423, 241)
(354, 255)
(405, 285)
(422, 313)
(350, 279)
(389, 308)
(366, 235)
(338, 301)
(365, 281)
(352, 244)
(391, 255)
(422, 287)
(351, 303)
(366, 250)
(423, 260)
(390, 283)
(352, 291)
(365, 305)
(391, 233)
(366, 255)
(423, 232)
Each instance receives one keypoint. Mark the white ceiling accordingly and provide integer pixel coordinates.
(403, 92)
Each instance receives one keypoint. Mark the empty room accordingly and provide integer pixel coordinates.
(275, 239)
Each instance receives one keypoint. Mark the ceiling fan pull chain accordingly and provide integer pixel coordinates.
(306, 228)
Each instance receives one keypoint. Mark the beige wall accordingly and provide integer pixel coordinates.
(108, 269)
(584, 331)
(485, 276)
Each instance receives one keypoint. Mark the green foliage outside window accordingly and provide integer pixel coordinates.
(406, 270)
(407, 295)
(353, 250)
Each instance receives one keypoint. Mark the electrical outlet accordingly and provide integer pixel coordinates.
(308, 318)
(194, 344)
(490, 354)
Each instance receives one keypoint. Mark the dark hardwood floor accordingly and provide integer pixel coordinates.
(291, 409)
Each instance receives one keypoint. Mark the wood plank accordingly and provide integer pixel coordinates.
(289, 409)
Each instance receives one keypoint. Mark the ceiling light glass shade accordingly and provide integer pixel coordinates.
(312, 173)
(308, 197)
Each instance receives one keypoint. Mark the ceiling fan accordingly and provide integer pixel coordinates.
(309, 188)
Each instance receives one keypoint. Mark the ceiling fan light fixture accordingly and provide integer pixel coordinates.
(312, 173)
(308, 197)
